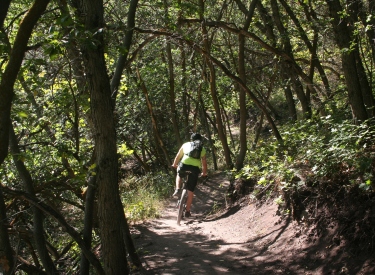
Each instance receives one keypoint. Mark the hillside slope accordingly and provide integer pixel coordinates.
(243, 238)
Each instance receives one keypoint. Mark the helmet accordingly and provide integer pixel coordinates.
(195, 136)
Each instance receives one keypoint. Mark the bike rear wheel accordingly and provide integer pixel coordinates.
(181, 206)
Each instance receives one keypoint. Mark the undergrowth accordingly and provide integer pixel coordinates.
(315, 151)
(143, 196)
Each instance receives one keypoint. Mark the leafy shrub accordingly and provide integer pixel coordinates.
(142, 196)
(334, 149)
(268, 162)
(327, 148)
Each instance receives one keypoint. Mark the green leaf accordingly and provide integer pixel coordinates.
(23, 114)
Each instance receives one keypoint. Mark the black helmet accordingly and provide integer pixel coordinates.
(195, 136)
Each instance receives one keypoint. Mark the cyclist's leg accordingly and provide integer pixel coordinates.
(189, 200)
(179, 176)
(178, 181)
(190, 186)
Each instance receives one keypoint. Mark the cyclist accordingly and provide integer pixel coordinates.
(185, 163)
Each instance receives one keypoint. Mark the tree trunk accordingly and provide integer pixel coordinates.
(302, 96)
(185, 98)
(242, 102)
(371, 30)
(357, 10)
(184, 116)
(172, 97)
(212, 79)
(110, 209)
(348, 57)
(242, 96)
(368, 97)
(171, 76)
(133, 255)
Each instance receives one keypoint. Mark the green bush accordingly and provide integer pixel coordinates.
(334, 149)
(143, 196)
(327, 148)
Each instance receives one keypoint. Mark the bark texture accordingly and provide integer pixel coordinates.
(109, 204)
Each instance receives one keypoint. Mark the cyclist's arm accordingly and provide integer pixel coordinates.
(178, 157)
(204, 166)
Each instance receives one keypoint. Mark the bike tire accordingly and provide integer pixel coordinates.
(181, 206)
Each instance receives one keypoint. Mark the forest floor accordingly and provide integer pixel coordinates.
(241, 238)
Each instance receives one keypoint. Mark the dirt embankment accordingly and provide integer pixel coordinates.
(243, 238)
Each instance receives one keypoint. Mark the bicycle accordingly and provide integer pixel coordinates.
(181, 203)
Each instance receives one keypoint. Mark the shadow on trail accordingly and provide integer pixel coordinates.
(190, 253)
(264, 248)
(166, 248)
(231, 211)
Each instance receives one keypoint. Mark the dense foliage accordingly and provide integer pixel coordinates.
(277, 88)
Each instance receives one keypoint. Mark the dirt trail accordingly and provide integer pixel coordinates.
(242, 239)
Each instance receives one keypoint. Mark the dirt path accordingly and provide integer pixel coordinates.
(242, 239)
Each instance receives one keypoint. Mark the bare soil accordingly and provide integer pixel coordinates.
(241, 238)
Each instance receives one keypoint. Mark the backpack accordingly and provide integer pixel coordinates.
(195, 149)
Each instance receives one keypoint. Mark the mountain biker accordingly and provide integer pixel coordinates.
(189, 164)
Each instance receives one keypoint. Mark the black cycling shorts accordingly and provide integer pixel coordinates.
(192, 177)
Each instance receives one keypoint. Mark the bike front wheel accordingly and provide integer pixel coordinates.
(181, 206)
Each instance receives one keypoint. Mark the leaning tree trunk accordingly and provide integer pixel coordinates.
(6, 96)
(109, 204)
